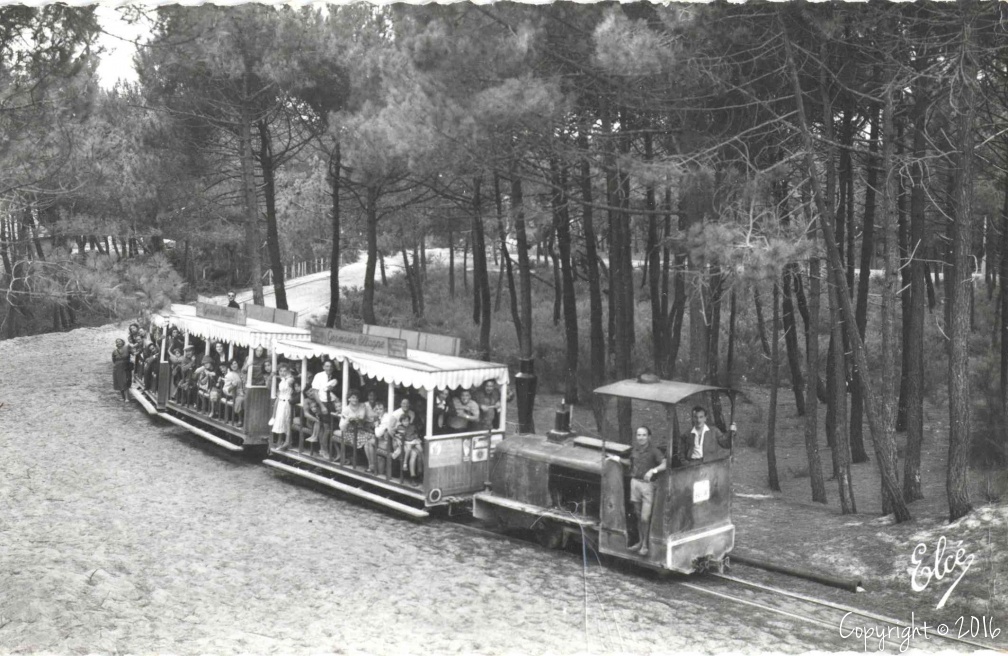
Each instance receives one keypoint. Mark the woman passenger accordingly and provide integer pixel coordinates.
(234, 389)
(354, 416)
(257, 362)
(120, 368)
(280, 424)
(219, 355)
(377, 418)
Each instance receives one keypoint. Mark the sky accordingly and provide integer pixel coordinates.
(116, 38)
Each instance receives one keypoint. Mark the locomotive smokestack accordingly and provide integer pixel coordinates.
(561, 424)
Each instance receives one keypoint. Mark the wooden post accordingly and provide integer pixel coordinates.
(503, 412)
(430, 411)
(273, 380)
(206, 348)
(185, 341)
(230, 353)
(251, 363)
(346, 380)
(304, 377)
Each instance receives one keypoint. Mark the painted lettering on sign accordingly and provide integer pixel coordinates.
(220, 313)
(359, 342)
(444, 453)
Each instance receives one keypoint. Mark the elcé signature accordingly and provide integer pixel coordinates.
(943, 566)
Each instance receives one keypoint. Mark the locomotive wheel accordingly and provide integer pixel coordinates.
(549, 535)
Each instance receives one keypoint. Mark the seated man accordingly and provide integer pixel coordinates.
(488, 398)
(646, 461)
(465, 413)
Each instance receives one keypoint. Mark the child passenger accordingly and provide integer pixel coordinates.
(406, 432)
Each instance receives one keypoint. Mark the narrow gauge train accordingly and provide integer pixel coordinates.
(563, 486)
(381, 362)
(170, 393)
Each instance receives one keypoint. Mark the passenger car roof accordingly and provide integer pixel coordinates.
(662, 391)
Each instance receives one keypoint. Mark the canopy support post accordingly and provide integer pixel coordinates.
(430, 411)
(304, 378)
(273, 376)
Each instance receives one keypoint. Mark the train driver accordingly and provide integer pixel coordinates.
(646, 461)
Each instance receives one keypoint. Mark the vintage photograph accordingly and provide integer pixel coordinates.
(504, 328)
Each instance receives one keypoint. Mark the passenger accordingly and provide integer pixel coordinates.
(182, 375)
(442, 409)
(232, 303)
(702, 439)
(234, 390)
(217, 393)
(488, 399)
(135, 340)
(120, 368)
(465, 414)
(280, 424)
(257, 362)
(219, 355)
(206, 380)
(311, 413)
(151, 366)
(354, 417)
(175, 340)
(412, 446)
(646, 461)
(377, 420)
(324, 383)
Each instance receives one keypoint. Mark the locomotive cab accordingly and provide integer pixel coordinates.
(564, 487)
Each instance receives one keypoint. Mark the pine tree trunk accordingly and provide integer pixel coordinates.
(269, 193)
(526, 380)
(890, 287)
(418, 279)
(771, 441)
(563, 235)
(381, 269)
(902, 212)
(914, 344)
(597, 355)
(653, 262)
(957, 481)
(760, 323)
(371, 230)
(730, 360)
(882, 436)
(717, 293)
(465, 264)
(791, 340)
(557, 285)
(251, 205)
(481, 279)
(506, 257)
(861, 312)
(1003, 284)
(451, 264)
(840, 447)
(410, 282)
(812, 402)
(333, 319)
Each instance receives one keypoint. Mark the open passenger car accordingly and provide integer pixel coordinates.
(454, 462)
(241, 333)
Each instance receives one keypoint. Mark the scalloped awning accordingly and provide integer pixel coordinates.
(255, 333)
(419, 369)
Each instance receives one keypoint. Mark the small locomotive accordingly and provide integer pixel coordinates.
(563, 486)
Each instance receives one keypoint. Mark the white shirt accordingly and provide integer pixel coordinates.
(696, 453)
(320, 383)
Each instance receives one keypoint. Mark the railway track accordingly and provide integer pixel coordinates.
(857, 628)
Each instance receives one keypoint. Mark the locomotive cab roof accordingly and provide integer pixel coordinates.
(658, 391)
